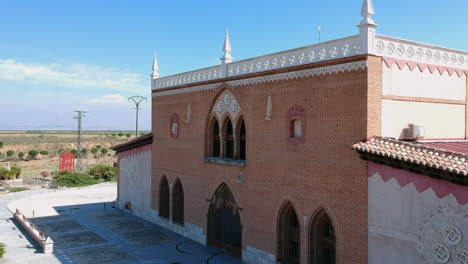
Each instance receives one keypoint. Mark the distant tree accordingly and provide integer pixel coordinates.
(142, 133)
(33, 153)
(103, 151)
(44, 152)
(121, 134)
(74, 151)
(21, 155)
(98, 146)
(10, 153)
(128, 135)
(1, 144)
(94, 150)
(114, 135)
(84, 151)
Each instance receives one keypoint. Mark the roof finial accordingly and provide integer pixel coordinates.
(155, 73)
(367, 28)
(227, 58)
(367, 11)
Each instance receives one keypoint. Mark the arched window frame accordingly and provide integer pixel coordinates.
(225, 138)
(178, 206)
(296, 113)
(283, 249)
(241, 140)
(164, 198)
(174, 127)
(225, 112)
(316, 223)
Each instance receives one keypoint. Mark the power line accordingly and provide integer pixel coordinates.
(137, 100)
(79, 157)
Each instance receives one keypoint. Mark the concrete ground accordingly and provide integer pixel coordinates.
(87, 229)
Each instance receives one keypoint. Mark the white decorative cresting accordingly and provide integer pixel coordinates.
(325, 51)
(367, 28)
(227, 58)
(401, 49)
(344, 67)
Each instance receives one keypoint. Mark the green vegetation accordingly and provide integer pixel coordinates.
(94, 150)
(84, 151)
(2, 249)
(21, 155)
(1, 144)
(17, 189)
(121, 134)
(74, 151)
(33, 153)
(128, 135)
(44, 152)
(104, 172)
(104, 151)
(74, 179)
(98, 146)
(10, 153)
(11, 174)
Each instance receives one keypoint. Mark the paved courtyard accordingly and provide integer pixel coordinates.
(100, 234)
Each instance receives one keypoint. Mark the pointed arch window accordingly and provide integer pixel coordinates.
(242, 140)
(229, 140)
(216, 140)
(164, 198)
(322, 240)
(226, 136)
(178, 203)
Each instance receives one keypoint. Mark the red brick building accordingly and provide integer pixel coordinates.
(255, 156)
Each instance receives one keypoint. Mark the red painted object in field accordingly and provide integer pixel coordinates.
(67, 162)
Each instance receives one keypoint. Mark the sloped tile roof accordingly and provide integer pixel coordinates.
(135, 143)
(453, 163)
(458, 147)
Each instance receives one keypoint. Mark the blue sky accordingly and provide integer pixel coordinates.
(59, 56)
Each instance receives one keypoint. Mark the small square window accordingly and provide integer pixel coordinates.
(296, 128)
(296, 125)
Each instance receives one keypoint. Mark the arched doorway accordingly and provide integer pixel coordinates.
(164, 198)
(322, 240)
(178, 203)
(288, 236)
(224, 225)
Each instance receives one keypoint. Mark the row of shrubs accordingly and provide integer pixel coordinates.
(11, 174)
(32, 154)
(98, 173)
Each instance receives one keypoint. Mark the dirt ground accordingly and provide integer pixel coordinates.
(20, 141)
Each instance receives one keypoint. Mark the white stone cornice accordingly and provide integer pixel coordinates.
(325, 51)
(400, 49)
(344, 67)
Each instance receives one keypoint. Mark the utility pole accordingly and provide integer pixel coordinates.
(79, 148)
(137, 100)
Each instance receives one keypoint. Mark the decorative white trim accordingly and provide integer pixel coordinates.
(325, 51)
(418, 52)
(344, 67)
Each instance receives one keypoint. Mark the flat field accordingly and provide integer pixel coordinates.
(55, 142)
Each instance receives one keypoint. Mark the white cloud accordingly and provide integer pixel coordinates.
(110, 99)
(74, 76)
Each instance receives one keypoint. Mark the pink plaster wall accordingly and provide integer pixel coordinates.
(421, 182)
